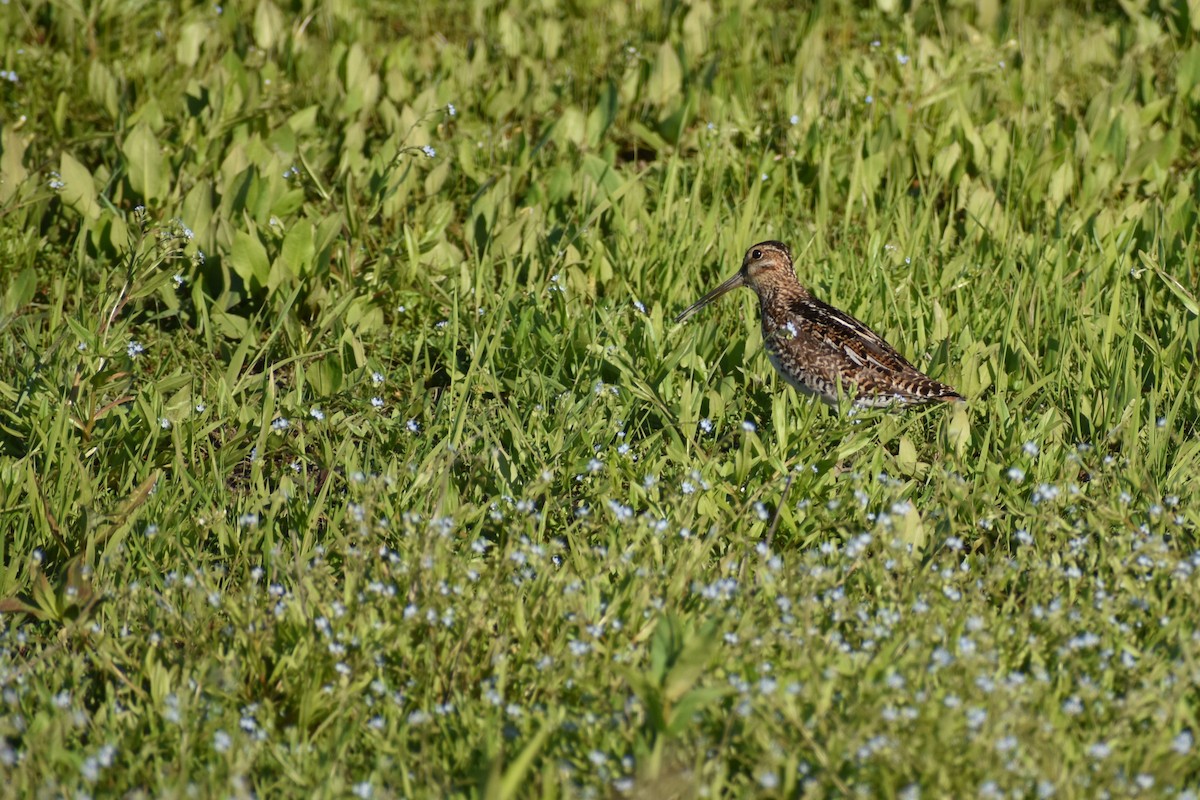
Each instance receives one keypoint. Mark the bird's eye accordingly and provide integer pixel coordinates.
(756, 254)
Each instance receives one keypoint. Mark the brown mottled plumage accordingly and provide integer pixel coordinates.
(819, 349)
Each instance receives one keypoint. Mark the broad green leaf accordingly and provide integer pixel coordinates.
(909, 528)
(602, 116)
(509, 33)
(269, 25)
(666, 80)
(325, 375)
(1061, 184)
(148, 173)
(305, 120)
(437, 177)
(287, 202)
(956, 430)
(197, 212)
(191, 38)
(249, 259)
(298, 251)
(552, 37)
(697, 26)
(102, 87)
(78, 190)
(571, 126)
(359, 75)
(12, 163)
(906, 458)
(20, 291)
(946, 159)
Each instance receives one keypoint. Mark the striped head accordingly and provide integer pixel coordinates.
(765, 267)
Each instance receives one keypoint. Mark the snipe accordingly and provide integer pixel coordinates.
(819, 349)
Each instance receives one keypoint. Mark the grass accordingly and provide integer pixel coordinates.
(347, 447)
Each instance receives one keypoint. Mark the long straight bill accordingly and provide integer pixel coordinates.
(729, 285)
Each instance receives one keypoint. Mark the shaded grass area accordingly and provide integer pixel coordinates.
(346, 446)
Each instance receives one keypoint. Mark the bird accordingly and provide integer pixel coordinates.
(820, 350)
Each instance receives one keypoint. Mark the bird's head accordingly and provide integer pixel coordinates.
(765, 265)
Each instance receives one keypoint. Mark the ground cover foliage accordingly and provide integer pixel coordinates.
(347, 447)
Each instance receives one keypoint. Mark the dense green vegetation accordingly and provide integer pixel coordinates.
(347, 447)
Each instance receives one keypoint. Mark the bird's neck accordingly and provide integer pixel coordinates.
(779, 294)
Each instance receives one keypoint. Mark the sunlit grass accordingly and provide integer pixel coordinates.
(347, 446)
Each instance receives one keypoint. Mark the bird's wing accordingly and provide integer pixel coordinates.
(847, 338)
